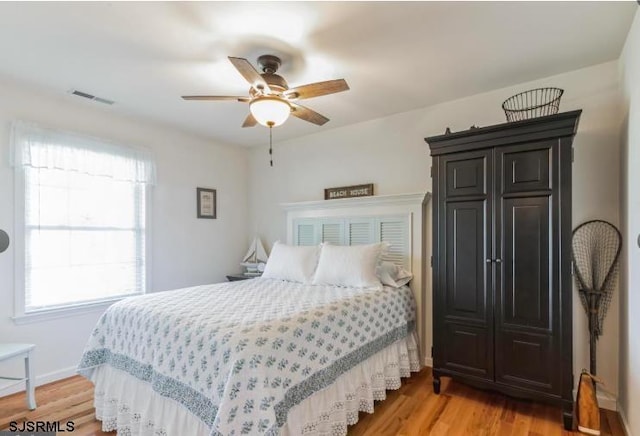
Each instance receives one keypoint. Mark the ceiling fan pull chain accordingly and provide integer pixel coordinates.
(271, 144)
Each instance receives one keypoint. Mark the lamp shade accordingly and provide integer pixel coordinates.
(270, 111)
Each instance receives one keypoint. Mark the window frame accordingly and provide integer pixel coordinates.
(21, 316)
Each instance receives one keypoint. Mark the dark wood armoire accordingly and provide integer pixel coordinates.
(502, 291)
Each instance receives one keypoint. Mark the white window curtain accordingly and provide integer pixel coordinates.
(37, 147)
(84, 202)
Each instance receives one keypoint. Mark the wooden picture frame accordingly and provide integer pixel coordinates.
(206, 201)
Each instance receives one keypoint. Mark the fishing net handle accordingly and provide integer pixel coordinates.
(593, 298)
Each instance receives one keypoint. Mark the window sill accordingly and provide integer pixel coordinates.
(63, 312)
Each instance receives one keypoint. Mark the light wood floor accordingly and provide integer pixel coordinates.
(412, 410)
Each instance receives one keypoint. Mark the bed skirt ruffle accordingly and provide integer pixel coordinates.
(131, 407)
(331, 410)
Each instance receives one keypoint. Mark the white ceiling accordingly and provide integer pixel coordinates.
(395, 56)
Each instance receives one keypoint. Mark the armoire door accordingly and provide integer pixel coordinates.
(526, 344)
(463, 304)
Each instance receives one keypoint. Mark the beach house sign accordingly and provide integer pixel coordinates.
(348, 191)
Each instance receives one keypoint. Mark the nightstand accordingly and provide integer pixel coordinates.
(237, 277)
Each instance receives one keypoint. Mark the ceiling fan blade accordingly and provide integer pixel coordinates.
(250, 74)
(304, 113)
(249, 121)
(216, 97)
(317, 89)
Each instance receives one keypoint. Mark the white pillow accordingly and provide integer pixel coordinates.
(291, 262)
(353, 266)
(391, 274)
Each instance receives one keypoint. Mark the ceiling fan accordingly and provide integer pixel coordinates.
(270, 99)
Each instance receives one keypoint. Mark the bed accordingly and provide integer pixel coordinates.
(261, 356)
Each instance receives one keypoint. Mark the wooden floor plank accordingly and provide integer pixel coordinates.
(413, 410)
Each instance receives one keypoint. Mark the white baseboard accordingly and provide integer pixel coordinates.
(40, 380)
(625, 422)
(606, 400)
(428, 361)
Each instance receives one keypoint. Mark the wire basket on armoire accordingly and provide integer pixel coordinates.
(532, 104)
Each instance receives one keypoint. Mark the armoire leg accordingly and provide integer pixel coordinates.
(436, 383)
(567, 418)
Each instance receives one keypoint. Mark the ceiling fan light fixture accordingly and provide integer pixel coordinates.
(270, 99)
(270, 111)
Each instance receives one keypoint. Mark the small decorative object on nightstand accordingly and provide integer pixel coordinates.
(237, 277)
(255, 259)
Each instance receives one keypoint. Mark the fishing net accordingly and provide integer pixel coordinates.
(595, 249)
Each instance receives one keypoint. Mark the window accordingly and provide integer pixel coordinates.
(81, 206)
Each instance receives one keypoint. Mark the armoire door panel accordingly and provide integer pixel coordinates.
(466, 250)
(466, 176)
(469, 350)
(526, 170)
(526, 360)
(526, 286)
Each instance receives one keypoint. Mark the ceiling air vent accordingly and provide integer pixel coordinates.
(90, 97)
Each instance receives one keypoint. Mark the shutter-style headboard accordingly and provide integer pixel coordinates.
(401, 220)
(393, 229)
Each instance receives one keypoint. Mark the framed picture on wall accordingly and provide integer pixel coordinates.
(206, 203)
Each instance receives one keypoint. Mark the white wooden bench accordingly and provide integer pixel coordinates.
(9, 351)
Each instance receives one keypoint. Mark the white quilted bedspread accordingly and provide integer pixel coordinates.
(240, 355)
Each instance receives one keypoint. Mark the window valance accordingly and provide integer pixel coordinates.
(38, 147)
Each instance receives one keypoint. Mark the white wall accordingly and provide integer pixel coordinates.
(391, 153)
(629, 398)
(185, 251)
